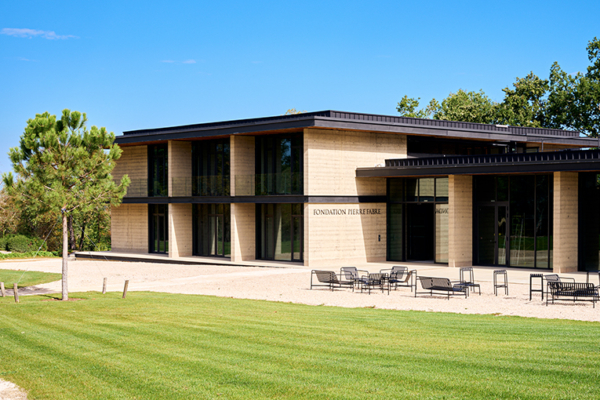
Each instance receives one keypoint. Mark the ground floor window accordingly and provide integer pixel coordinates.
(159, 228)
(417, 226)
(211, 229)
(589, 221)
(280, 231)
(513, 220)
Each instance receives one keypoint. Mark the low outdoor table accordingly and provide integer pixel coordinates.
(531, 289)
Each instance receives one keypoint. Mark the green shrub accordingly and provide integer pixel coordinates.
(4, 241)
(24, 244)
(30, 254)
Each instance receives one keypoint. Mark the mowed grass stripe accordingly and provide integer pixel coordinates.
(154, 345)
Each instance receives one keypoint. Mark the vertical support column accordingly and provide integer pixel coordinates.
(243, 232)
(565, 236)
(179, 163)
(460, 227)
(180, 230)
(241, 165)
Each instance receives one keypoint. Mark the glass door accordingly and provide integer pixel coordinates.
(159, 235)
(491, 234)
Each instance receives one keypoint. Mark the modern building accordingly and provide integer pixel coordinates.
(337, 188)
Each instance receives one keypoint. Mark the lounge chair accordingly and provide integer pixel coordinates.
(352, 274)
(328, 279)
(442, 286)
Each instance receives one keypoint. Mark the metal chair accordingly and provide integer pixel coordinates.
(352, 274)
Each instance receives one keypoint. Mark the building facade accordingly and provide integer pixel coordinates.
(334, 188)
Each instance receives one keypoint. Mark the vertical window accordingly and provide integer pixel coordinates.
(212, 230)
(281, 231)
(210, 168)
(158, 170)
(159, 228)
(279, 164)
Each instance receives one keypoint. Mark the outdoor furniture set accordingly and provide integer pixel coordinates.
(399, 276)
(557, 289)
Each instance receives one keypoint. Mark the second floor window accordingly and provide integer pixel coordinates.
(210, 168)
(158, 170)
(279, 164)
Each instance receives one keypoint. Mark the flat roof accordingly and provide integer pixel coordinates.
(511, 163)
(330, 119)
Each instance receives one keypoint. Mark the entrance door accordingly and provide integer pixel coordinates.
(159, 234)
(492, 242)
(420, 232)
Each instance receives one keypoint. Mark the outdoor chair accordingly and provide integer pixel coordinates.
(400, 276)
(467, 278)
(376, 280)
(352, 274)
(328, 279)
(442, 286)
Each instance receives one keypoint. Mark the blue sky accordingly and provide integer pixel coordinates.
(147, 64)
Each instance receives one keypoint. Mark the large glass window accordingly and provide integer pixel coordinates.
(281, 231)
(513, 220)
(589, 221)
(158, 170)
(159, 228)
(210, 168)
(279, 164)
(417, 222)
(212, 230)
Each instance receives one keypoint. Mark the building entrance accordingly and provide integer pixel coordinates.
(491, 234)
(420, 229)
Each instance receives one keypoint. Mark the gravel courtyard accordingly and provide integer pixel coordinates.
(292, 284)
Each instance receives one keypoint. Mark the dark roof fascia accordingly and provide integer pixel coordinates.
(335, 123)
(580, 161)
(356, 121)
(216, 131)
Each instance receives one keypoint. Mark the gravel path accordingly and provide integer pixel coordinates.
(292, 284)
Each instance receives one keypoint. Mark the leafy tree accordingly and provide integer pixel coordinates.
(525, 105)
(407, 107)
(61, 166)
(293, 111)
(574, 100)
(563, 101)
(459, 106)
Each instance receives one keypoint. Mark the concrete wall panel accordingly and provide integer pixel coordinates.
(565, 238)
(180, 230)
(332, 156)
(344, 234)
(460, 227)
(243, 232)
(129, 228)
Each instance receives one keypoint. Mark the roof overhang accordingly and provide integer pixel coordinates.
(526, 163)
(358, 122)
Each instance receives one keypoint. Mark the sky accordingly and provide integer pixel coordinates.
(149, 64)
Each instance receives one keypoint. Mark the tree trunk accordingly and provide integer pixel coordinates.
(72, 242)
(82, 237)
(65, 257)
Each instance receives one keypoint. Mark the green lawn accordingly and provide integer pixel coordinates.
(26, 278)
(165, 346)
